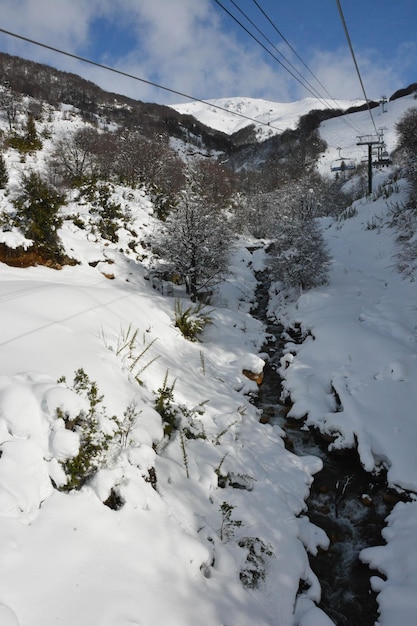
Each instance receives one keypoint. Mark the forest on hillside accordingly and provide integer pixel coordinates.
(203, 197)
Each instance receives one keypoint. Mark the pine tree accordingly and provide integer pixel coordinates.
(37, 208)
(31, 136)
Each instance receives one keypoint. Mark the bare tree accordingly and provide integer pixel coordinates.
(74, 158)
(10, 102)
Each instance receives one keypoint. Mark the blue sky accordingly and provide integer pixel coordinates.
(196, 48)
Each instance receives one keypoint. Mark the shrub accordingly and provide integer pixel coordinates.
(228, 525)
(94, 441)
(29, 142)
(191, 321)
(108, 211)
(164, 405)
(37, 212)
(254, 571)
(176, 415)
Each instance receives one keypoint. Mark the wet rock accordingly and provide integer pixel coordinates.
(256, 376)
(391, 497)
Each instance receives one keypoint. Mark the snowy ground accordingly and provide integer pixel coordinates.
(170, 556)
(70, 559)
(355, 377)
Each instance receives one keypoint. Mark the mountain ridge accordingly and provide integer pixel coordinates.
(231, 115)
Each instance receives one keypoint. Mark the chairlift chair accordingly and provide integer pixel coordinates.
(342, 163)
(383, 157)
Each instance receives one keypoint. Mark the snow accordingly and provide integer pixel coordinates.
(364, 348)
(270, 118)
(397, 561)
(69, 559)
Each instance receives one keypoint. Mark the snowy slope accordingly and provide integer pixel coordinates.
(67, 558)
(357, 379)
(229, 115)
(343, 132)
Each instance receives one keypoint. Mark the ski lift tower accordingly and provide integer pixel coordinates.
(370, 141)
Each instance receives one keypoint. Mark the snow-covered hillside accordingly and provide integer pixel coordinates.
(177, 550)
(230, 115)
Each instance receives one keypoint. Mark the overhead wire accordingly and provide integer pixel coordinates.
(257, 4)
(264, 47)
(274, 26)
(317, 95)
(326, 104)
(278, 51)
(312, 90)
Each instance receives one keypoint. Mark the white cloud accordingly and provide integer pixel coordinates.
(186, 45)
(336, 71)
(183, 45)
(63, 23)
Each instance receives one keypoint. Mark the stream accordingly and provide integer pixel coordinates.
(348, 503)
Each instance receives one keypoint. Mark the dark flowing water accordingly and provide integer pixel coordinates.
(349, 504)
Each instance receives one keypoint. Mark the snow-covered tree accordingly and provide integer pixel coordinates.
(299, 256)
(151, 162)
(407, 144)
(4, 176)
(404, 219)
(10, 102)
(195, 239)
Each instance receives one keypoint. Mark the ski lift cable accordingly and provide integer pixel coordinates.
(342, 17)
(274, 26)
(314, 93)
(318, 95)
(108, 68)
(265, 48)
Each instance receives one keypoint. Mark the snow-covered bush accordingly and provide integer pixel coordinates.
(254, 570)
(95, 431)
(107, 211)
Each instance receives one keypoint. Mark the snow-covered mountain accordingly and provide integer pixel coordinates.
(230, 115)
(173, 542)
